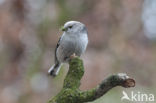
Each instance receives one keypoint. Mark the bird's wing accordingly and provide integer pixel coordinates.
(58, 43)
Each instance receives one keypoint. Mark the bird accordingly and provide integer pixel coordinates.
(74, 40)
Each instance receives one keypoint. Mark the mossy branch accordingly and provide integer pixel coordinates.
(70, 92)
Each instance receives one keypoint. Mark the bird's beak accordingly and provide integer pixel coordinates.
(63, 28)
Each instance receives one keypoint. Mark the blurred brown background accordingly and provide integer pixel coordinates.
(122, 38)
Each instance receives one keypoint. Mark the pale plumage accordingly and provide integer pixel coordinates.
(73, 40)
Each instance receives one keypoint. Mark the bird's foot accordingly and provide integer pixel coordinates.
(73, 56)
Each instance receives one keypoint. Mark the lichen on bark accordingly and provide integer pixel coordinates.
(70, 92)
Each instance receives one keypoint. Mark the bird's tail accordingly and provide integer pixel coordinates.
(54, 70)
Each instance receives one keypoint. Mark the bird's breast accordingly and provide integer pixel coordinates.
(76, 45)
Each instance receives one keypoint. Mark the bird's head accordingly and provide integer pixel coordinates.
(74, 27)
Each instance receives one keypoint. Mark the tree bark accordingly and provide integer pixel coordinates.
(70, 92)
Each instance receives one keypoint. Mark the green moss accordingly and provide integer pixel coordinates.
(66, 96)
(85, 96)
(70, 92)
(75, 73)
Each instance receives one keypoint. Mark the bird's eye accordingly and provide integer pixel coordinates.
(70, 27)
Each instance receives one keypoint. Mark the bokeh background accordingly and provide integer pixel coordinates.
(122, 38)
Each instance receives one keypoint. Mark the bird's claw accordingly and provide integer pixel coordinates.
(73, 56)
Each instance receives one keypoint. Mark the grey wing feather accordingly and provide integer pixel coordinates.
(56, 60)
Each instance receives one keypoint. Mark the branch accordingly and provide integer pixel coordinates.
(75, 73)
(70, 92)
(120, 79)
